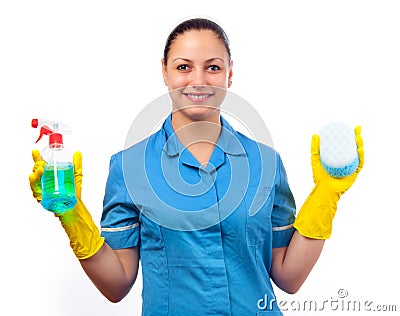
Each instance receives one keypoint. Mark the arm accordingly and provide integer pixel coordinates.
(291, 265)
(113, 272)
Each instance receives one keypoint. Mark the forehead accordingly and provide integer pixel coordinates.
(198, 44)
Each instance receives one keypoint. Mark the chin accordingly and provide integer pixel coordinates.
(199, 113)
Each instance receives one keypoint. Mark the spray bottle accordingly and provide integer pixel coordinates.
(58, 185)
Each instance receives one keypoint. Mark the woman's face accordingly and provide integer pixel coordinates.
(198, 72)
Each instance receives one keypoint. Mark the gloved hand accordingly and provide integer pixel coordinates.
(84, 236)
(38, 169)
(34, 177)
(315, 217)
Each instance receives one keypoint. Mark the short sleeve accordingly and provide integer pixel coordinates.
(120, 219)
(284, 209)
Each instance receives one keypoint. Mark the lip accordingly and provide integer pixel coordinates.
(197, 97)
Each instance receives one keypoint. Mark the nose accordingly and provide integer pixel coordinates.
(198, 78)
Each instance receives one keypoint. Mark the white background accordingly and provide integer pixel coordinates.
(95, 64)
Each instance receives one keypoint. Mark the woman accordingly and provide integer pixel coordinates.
(202, 251)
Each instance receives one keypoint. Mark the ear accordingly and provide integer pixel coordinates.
(230, 74)
(164, 71)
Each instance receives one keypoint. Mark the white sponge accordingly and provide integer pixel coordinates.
(338, 149)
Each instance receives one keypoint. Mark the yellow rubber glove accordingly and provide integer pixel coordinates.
(34, 177)
(315, 217)
(84, 236)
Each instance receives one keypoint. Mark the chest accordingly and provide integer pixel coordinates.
(193, 208)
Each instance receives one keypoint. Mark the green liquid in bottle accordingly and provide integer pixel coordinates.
(58, 188)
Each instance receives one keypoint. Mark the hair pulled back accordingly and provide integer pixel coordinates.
(196, 24)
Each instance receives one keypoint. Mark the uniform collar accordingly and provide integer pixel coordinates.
(228, 141)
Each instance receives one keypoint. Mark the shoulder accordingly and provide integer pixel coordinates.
(155, 140)
(262, 158)
(254, 147)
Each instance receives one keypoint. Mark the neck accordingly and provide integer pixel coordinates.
(199, 136)
(191, 131)
(180, 118)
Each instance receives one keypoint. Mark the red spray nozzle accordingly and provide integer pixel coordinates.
(35, 123)
(54, 129)
(44, 130)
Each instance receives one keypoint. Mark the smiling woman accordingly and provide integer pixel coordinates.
(197, 67)
(207, 210)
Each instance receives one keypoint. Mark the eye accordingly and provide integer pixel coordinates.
(214, 67)
(183, 67)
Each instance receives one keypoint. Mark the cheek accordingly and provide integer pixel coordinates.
(175, 82)
(218, 81)
(175, 78)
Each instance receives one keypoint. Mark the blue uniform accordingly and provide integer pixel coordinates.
(205, 233)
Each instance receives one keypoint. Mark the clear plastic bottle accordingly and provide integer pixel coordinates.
(58, 185)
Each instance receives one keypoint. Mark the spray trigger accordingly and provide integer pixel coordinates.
(44, 130)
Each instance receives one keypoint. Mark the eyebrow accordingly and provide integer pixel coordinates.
(207, 61)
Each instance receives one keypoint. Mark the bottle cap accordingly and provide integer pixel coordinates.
(55, 138)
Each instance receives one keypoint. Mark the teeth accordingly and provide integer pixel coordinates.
(197, 96)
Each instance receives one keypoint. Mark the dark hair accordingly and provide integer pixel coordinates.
(196, 24)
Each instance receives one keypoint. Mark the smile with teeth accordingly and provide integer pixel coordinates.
(198, 96)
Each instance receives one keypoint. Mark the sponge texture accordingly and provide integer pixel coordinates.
(338, 149)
